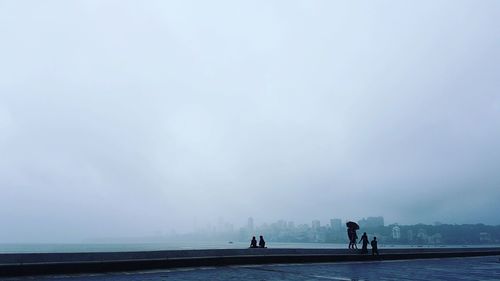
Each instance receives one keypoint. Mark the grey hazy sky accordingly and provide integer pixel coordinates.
(128, 117)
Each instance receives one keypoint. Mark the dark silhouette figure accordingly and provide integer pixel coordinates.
(364, 240)
(351, 234)
(354, 239)
(374, 246)
(262, 243)
(253, 243)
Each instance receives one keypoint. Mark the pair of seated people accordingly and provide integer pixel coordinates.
(262, 243)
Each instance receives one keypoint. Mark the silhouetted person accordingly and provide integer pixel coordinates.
(374, 246)
(354, 239)
(349, 236)
(253, 243)
(364, 240)
(262, 243)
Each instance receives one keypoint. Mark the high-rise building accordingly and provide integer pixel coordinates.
(316, 224)
(484, 237)
(370, 222)
(396, 232)
(336, 225)
(409, 235)
(250, 225)
(281, 224)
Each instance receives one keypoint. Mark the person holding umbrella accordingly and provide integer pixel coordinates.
(351, 234)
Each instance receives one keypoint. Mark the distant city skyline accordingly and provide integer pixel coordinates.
(282, 231)
(335, 223)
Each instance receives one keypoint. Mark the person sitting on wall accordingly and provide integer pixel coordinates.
(253, 243)
(262, 243)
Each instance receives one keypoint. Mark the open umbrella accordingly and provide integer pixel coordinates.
(351, 224)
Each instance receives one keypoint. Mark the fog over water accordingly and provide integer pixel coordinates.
(125, 118)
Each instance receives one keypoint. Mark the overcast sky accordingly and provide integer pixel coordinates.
(123, 118)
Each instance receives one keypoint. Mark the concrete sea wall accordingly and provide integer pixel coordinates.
(69, 263)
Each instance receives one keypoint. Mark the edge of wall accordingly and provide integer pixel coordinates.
(175, 259)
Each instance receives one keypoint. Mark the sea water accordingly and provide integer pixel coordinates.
(185, 245)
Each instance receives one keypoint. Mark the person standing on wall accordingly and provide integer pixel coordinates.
(364, 240)
(374, 246)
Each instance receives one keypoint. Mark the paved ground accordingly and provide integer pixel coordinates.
(477, 268)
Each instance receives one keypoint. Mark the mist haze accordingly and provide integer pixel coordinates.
(125, 118)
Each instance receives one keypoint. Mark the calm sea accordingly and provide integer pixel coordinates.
(188, 245)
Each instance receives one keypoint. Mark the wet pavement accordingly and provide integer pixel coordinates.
(475, 268)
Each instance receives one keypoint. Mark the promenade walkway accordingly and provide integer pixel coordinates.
(64, 263)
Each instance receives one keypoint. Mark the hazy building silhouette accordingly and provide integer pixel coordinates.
(316, 224)
(336, 225)
(371, 222)
(396, 232)
(250, 227)
(410, 236)
(484, 237)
